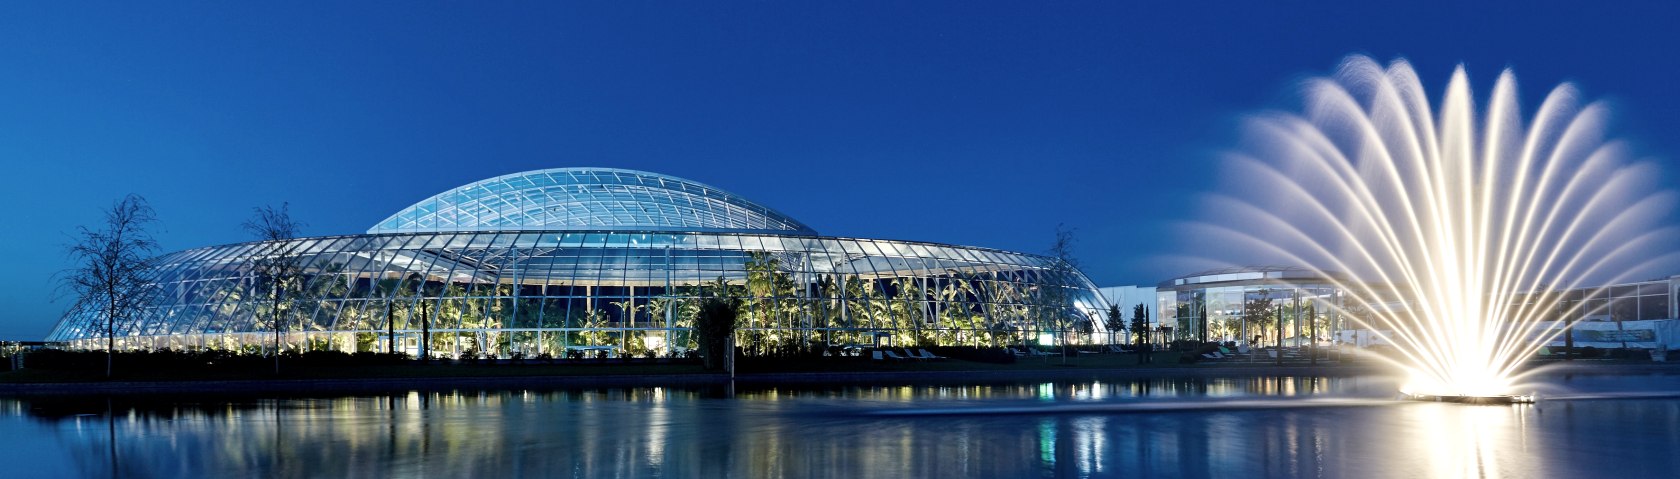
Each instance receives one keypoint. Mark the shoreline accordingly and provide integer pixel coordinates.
(373, 385)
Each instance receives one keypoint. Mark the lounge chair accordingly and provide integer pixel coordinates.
(928, 356)
(892, 355)
(876, 355)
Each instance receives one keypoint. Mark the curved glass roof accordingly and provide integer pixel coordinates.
(1247, 273)
(588, 198)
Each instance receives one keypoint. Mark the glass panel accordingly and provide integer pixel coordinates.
(1653, 307)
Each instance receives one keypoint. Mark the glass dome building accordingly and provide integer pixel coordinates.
(597, 260)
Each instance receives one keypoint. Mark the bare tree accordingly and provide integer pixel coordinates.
(1057, 300)
(277, 264)
(1062, 249)
(111, 263)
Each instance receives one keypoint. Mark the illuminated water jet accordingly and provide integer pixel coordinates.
(1453, 231)
(1498, 399)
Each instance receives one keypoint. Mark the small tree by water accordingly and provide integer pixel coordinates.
(109, 276)
(279, 266)
(1056, 301)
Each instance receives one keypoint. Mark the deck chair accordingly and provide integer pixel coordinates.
(876, 355)
(892, 355)
(928, 355)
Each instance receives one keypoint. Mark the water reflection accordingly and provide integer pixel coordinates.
(797, 432)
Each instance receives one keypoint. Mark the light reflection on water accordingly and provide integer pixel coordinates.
(1183, 427)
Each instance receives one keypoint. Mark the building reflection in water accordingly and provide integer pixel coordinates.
(790, 432)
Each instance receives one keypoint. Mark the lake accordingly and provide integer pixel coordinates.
(1585, 425)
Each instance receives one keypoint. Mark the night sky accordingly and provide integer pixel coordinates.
(963, 123)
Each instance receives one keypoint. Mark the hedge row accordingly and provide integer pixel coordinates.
(209, 360)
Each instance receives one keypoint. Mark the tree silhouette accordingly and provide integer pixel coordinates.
(111, 263)
(277, 262)
(1115, 321)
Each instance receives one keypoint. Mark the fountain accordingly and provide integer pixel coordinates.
(1455, 229)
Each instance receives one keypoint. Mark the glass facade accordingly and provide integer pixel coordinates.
(1645, 300)
(1263, 306)
(1251, 306)
(444, 278)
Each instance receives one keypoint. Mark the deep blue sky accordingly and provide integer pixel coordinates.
(962, 122)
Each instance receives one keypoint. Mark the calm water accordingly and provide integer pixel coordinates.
(1585, 426)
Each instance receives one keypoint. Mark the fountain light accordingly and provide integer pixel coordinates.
(1455, 230)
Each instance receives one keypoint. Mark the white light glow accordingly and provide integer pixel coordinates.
(1468, 218)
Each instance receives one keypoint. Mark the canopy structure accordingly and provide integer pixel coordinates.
(551, 261)
(588, 198)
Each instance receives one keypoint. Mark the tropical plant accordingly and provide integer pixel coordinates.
(631, 338)
(715, 325)
(394, 291)
(1259, 310)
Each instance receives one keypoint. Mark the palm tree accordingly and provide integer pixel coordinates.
(631, 342)
(762, 290)
(394, 291)
(715, 325)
